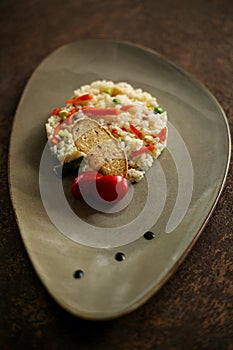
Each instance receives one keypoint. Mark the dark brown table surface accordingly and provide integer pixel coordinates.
(194, 309)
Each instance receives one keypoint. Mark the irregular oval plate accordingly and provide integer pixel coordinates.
(174, 201)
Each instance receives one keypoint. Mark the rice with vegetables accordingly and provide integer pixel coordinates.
(133, 116)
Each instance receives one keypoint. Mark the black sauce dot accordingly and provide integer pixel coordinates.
(78, 274)
(149, 235)
(120, 256)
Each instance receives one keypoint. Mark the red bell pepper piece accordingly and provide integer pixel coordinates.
(115, 132)
(54, 139)
(162, 134)
(56, 111)
(137, 132)
(100, 111)
(57, 129)
(126, 108)
(68, 120)
(85, 97)
(142, 150)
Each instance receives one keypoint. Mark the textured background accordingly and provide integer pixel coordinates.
(194, 309)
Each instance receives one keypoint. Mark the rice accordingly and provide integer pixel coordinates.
(140, 124)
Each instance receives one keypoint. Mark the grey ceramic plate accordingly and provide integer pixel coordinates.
(174, 201)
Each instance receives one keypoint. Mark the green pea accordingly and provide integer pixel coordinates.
(158, 109)
(116, 100)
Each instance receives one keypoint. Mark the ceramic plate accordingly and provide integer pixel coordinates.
(100, 264)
